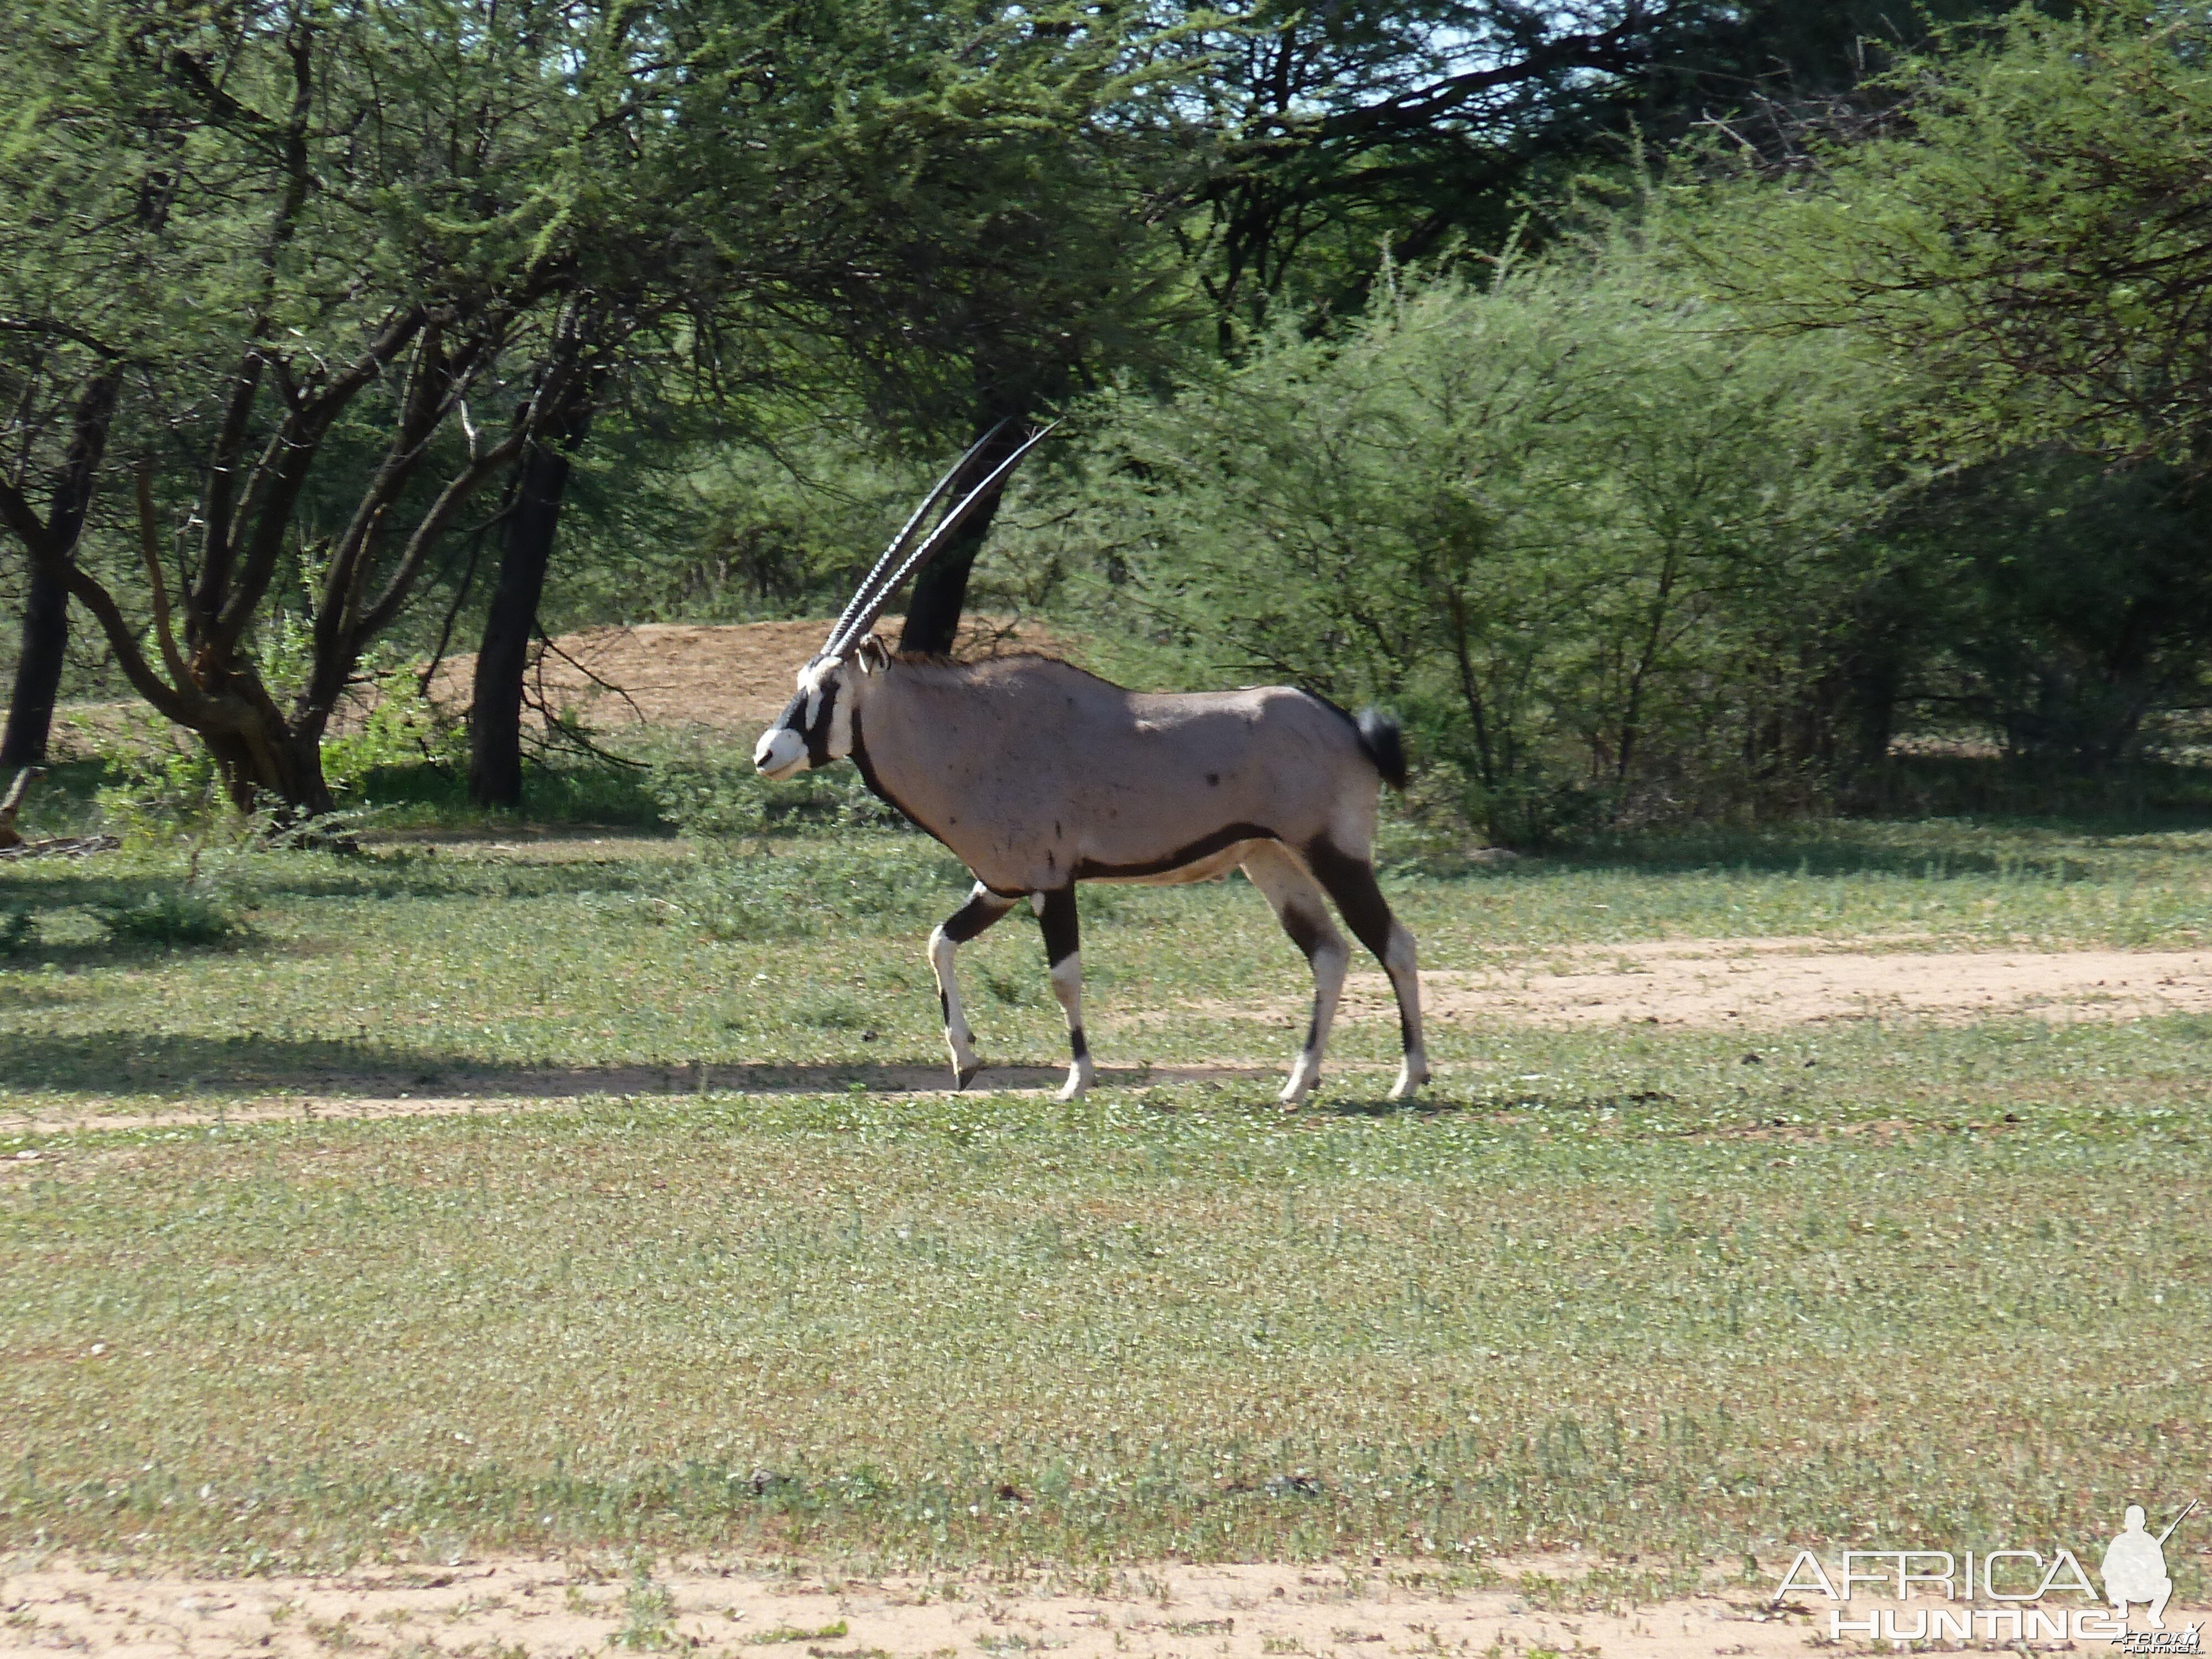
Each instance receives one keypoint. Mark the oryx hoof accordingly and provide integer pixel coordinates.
(965, 1075)
(1410, 1076)
(1079, 1081)
(1304, 1076)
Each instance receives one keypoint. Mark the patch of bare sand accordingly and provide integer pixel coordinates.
(733, 677)
(1750, 984)
(521, 1609)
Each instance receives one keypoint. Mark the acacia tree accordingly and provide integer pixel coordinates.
(949, 223)
(2028, 228)
(342, 263)
(1005, 192)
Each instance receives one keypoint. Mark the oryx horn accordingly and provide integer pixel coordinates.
(898, 543)
(868, 603)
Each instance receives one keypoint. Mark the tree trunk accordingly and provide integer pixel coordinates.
(503, 657)
(46, 609)
(38, 671)
(279, 770)
(940, 592)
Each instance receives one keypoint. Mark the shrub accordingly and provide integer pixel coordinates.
(1587, 536)
(173, 915)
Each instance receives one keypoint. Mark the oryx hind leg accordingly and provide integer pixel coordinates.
(1301, 907)
(1063, 950)
(983, 908)
(1351, 882)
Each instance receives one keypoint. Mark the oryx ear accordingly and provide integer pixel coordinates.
(874, 653)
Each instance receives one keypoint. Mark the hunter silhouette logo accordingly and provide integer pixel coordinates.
(2016, 1581)
(2135, 1566)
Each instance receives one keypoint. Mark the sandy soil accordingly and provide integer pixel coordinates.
(1764, 984)
(734, 678)
(526, 1608)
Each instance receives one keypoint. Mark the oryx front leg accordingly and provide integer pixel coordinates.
(1298, 904)
(983, 908)
(1063, 951)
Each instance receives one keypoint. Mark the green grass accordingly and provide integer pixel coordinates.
(1169, 1326)
(1624, 1290)
(442, 966)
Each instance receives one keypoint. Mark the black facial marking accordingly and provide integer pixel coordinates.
(817, 734)
(1062, 937)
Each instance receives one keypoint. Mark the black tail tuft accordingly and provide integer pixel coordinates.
(1385, 746)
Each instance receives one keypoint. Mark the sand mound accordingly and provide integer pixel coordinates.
(732, 677)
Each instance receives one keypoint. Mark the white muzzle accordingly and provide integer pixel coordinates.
(780, 752)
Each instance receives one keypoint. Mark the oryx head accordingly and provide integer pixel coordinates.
(816, 726)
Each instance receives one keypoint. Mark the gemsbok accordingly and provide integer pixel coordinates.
(1037, 776)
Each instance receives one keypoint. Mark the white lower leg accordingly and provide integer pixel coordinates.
(1329, 960)
(1406, 980)
(1067, 985)
(958, 1037)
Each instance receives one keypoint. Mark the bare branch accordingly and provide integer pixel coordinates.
(150, 550)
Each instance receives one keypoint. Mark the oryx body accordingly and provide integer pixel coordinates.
(1038, 776)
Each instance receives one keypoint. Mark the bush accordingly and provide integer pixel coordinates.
(1586, 535)
(710, 789)
(173, 915)
(19, 930)
(163, 785)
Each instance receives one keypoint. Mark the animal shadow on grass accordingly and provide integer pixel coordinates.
(133, 1063)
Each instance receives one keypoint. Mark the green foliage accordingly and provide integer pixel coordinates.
(159, 790)
(2061, 606)
(181, 914)
(19, 929)
(888, 882)
(402, 728)
(1586, 534)
(647, 1607)
(2026, 230)
(706, 787)
(745, 534)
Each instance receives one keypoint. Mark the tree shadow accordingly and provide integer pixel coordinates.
(1814, 854)
(130, 1063)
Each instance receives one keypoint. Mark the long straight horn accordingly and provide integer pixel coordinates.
(947, 528)
(899, 542)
